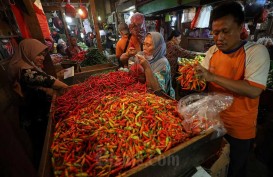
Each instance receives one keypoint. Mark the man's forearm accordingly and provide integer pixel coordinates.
(240, 87)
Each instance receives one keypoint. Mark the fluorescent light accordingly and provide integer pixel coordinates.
(80, 12)
(82, 35)
(68, 19)
(99, 18)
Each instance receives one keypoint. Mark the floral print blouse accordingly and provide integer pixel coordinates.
(34, 78)
(164, 79)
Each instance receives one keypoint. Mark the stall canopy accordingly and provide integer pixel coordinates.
(157, 6)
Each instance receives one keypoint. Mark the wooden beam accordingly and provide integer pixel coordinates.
(36, 33)
(32, 21)
(65, 27)
(51, 8)
(95, 20)
(61, 1)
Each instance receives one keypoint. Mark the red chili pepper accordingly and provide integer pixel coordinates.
(115, 132)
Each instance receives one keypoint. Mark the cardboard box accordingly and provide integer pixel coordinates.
(217, 166)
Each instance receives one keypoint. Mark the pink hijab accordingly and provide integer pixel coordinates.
(24, 57)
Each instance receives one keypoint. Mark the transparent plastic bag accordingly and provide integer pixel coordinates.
(201, 112)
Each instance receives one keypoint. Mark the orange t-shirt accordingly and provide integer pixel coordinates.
(250, 63)
(122, 43)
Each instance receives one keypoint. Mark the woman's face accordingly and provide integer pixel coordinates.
(148, 46)
(39, 59)
(177, 39)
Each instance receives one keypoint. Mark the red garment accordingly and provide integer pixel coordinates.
(42, 21)
(122, 43)
(20, 21)
(71, 51)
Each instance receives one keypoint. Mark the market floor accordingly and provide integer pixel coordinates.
(255, 168)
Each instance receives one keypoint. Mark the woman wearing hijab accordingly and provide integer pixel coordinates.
(33, 84)
(156, 66)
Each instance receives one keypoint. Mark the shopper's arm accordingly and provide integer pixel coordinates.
(150, 79)
(59, 84)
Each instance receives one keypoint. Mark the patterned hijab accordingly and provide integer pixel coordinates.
(24, 57)
(137, 26)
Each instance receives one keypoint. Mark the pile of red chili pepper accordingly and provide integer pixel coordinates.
(79, 56)
(189, 80)
(114, 134)
(78, 96)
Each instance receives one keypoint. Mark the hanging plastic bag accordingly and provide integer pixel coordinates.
(201, 112)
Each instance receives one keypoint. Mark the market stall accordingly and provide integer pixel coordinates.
(119, 128)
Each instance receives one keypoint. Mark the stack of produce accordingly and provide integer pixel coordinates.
(189, 79)
(115, 133)
(78, 96)
(184, 61)
(83, 46)
(94, 57)
(270, 79)
(79, 57)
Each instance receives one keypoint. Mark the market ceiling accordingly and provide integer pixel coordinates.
(54, 2)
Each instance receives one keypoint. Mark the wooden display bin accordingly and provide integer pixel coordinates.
(67, 64)
(88, 71)
(99, 67)
(175, 162)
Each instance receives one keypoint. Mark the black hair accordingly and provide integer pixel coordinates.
(110, 27)
(232, 8)
(174, 33)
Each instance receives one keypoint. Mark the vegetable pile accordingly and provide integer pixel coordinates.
(185, 61)
(117, 83)
(83, 46)
(94, 57)
(189, 80)
(79, 57)
(115, 133)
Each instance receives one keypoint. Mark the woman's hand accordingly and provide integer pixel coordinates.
(204, 73)
(144, 63)
(124, 60)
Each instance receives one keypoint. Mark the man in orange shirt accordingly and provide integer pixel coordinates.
(127, 42)
(239, 68)
(138, 30)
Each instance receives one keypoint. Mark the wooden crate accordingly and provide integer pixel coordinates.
(88, 71)
(98, 67)
(175, 162)
(180, 159)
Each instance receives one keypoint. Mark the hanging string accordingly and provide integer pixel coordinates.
(10, 3)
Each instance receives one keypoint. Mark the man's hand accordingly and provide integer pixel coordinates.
(204, 73)
(124, 60)
(131, 52)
